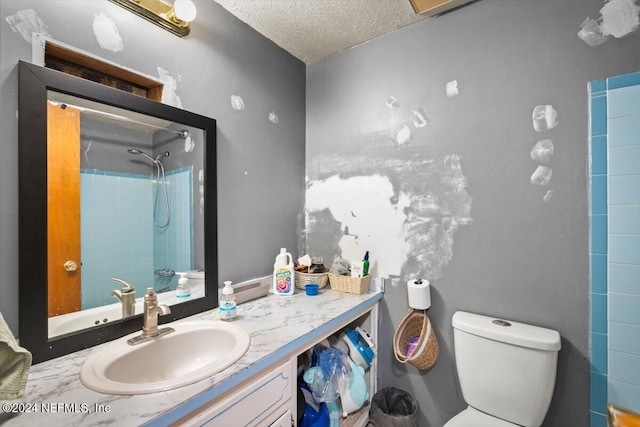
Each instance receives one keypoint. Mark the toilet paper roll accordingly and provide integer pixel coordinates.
(419, 294)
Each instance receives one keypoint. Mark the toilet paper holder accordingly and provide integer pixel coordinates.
(419, 294)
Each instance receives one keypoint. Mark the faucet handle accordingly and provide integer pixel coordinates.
(125, 286)
(151, 295)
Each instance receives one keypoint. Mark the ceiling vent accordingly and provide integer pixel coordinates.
(436, 7)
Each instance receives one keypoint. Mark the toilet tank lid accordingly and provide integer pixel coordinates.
(516, 333)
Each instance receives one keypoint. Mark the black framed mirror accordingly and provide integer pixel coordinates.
(128, 182)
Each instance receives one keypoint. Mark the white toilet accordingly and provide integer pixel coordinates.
(507, 371)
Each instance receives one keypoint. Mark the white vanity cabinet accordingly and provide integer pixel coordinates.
(269, 398)
(258, 390)
(265, 401)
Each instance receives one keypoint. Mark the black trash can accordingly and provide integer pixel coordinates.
(392, 407)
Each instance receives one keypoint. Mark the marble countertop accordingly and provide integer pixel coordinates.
(278, 325)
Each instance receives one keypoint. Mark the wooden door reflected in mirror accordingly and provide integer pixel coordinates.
(63, 219)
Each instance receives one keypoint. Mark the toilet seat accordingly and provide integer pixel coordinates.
(472, 417)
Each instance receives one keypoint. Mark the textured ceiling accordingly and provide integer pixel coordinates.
(313, 29)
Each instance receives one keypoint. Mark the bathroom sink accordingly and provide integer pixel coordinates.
(195, 351)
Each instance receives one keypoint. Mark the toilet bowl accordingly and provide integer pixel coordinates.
(472, 417)
(507, 371)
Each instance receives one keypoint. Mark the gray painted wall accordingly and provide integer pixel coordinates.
(511, 255)
(260, 164)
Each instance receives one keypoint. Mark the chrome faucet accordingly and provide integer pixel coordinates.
(127, 296)
(150, 319)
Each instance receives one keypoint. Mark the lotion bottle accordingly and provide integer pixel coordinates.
(283, 274)
(228, 311)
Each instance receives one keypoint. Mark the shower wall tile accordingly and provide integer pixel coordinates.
(599, 313)
(598, 234)
(596, 86)
(625, 394)
(624, 101)
(597, 420)
(624, 308)
(615, 125)
(599, 354)
(624, 160)
(598, 115)
(624, 278)
(623, 81)
(599, 156)
(598, 393)
(624, 367)
(624, 190)
(599, 195)
(598, 274)
(624, 130)
(624, 249)
(113, 229)
(624, 337)
(624, 219)
(173, 247)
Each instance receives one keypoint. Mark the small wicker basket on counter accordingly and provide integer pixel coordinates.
(302, 279)
(352, 285)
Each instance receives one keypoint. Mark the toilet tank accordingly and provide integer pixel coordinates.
(506, 369)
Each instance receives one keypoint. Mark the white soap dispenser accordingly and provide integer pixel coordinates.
(184, 287)
(228, 309)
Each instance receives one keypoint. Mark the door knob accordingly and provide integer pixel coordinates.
(70, 266)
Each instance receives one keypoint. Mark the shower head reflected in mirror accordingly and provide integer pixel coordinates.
(156, 160)
(161, 181)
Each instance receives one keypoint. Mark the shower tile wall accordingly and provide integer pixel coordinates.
(615, 244)
(112, 247)
(173, 248)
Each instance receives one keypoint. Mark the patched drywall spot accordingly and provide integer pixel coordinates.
(591, 33)
(273, 118)
(421, 117)
(544, 117)
(403, 135)
(452, 88)
(542, 151)
(542, 176)
(237, 103)
(201, 175)
(106, 33)
(547, 196)
(618, 18)
(392, 102)
(406, 212)
(189, 144)
(26, 22)
(169, 95)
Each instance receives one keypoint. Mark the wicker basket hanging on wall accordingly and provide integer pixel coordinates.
(416, 324)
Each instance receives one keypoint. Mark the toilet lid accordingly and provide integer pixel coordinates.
(472, 417)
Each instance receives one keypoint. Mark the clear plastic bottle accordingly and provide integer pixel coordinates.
(228, 311)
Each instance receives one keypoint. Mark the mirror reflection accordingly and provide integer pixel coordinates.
(126, 212)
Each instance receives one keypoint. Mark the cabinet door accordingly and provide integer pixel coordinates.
(284, 420)
(259, 403)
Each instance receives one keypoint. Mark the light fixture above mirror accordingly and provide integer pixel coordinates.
(172, 17)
